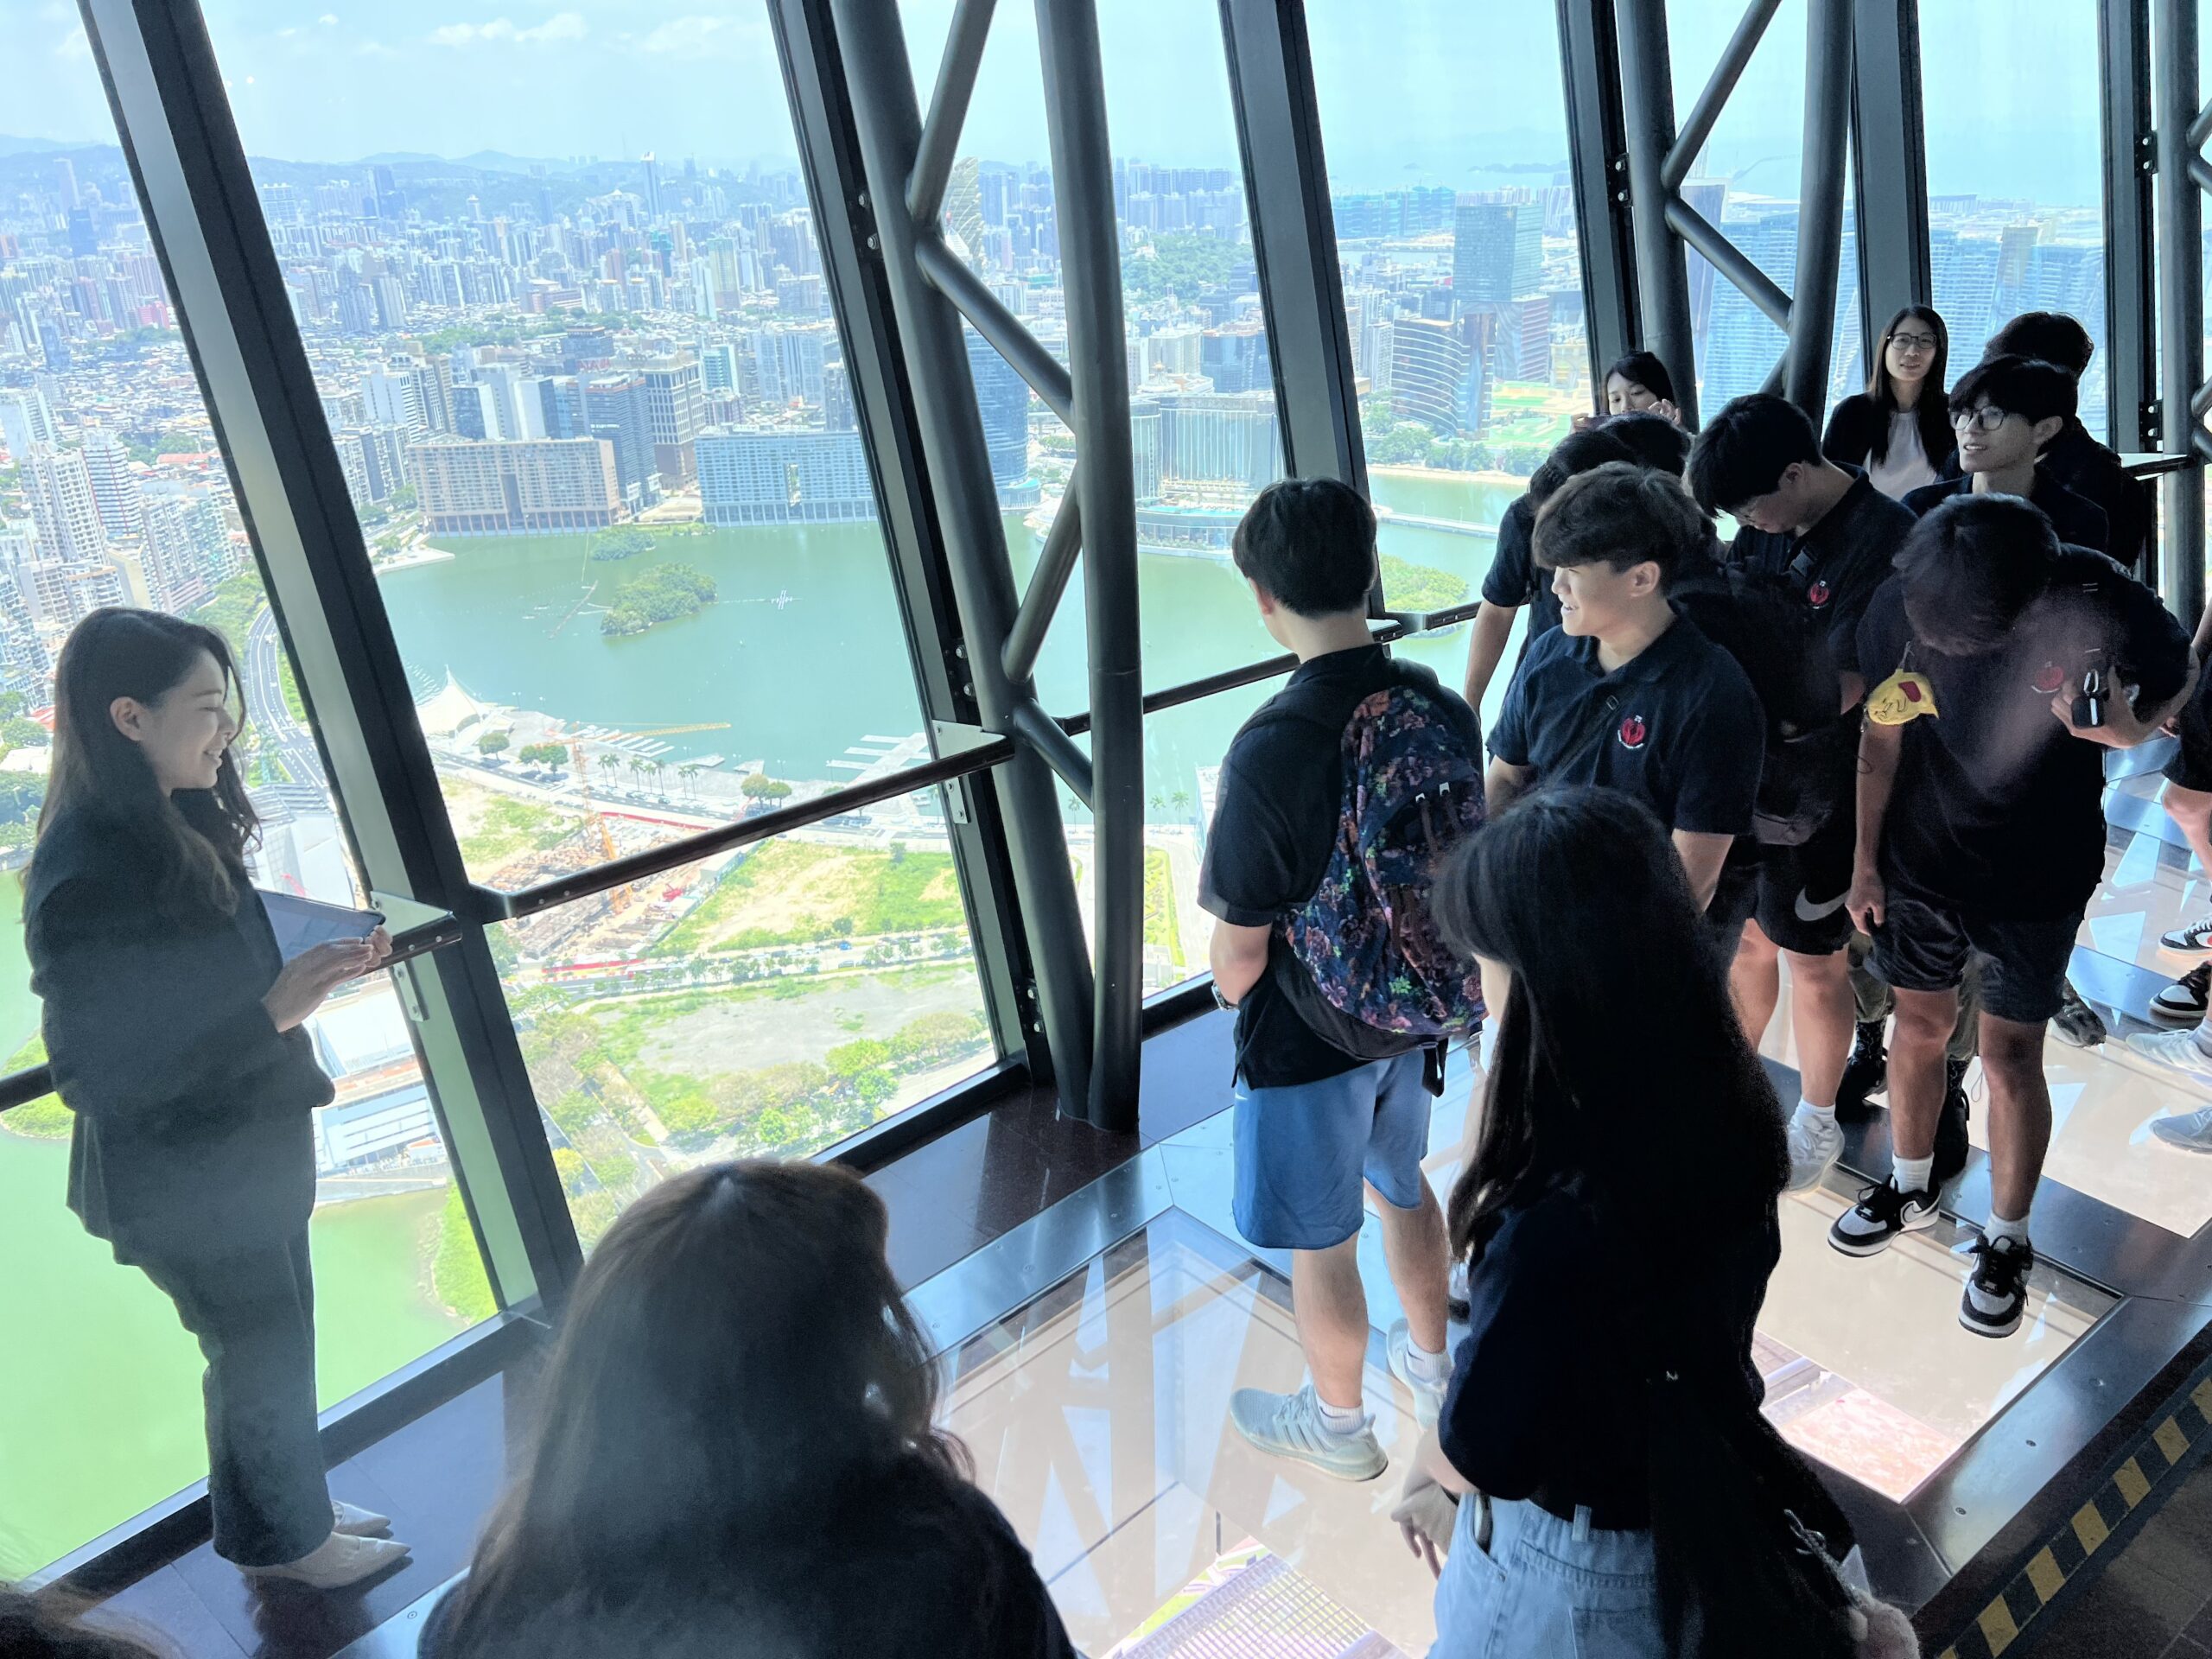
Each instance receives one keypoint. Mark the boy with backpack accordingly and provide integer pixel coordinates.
(1819, 538)
(1626, 692)
(1335, 801)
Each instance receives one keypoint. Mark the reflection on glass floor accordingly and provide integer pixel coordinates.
(1099, 1420)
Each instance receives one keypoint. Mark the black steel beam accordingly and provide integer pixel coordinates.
(1647, 115)
(2181, 304)
(1819, 204)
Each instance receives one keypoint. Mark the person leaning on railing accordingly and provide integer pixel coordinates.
(174, 1030)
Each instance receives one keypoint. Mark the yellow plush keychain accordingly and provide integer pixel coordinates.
(1904, 696)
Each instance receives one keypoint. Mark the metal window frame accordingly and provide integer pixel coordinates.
(2131, 217)
(1597, 141)
(2184, 175)
(1890, 163)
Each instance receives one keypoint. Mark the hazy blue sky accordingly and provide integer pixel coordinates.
(1412, 90)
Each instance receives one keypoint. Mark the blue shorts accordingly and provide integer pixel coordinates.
(1302, 1152)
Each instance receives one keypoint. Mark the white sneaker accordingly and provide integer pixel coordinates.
(1290, 1425)
(337, 1561)
(1814, 1143)
(1429, 1397)
(2195, 938)
(2191, 1131)
(358, 1523)
(2178, 1049)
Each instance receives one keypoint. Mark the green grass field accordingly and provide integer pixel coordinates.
(790, 892)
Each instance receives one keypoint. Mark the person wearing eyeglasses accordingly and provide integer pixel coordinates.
(1898, 431)
(2006, 410)
(2074, 458)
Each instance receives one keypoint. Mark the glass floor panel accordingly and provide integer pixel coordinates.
(1098, 1416)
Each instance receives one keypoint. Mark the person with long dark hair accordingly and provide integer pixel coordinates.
(174, 1030)
(1639, 380)
(1602, 1426)
(735, 1452)
(1898, 430)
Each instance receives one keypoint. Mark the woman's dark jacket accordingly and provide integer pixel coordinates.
(192, 1134)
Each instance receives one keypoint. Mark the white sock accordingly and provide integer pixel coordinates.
(1824, 1114)
(2203, 1035)
(1342, 1421)
(1914, 1174)
(2000, 1228)
(1425, 1366)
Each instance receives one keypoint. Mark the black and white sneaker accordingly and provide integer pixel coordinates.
(1951, 1141)
(2194, 940)
(1866, 1072)
(1997, 1290)
(2077, 1023)
(1880, 1215)
(2183, 1002)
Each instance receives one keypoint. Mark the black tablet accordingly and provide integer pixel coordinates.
(302, 923)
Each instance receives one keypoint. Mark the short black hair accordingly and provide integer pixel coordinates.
(1656, 440)
(2051, 335)
(1970, 567)
(1577, 452)
(2030, 387)
(1308, 543)
(1746, 448)
(1620, 514)
(1640, 369)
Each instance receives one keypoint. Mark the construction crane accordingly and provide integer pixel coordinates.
(620, 896)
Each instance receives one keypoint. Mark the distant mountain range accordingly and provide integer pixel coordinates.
(11, 145)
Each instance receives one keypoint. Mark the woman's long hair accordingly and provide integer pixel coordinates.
(1620, 1063)
(735, 1352)
(198, 838)
(1932, 414)
(1639, 369)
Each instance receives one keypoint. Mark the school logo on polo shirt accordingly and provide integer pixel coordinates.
(1819, 594)
(1633, 732)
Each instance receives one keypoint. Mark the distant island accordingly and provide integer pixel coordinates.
(624, 543)
(1410, 587)
(657, 595)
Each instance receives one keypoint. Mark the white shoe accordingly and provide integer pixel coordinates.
(352, 1519)
(2178, 1049)
(337, 1561)
(1814, 1143)
(1290, 1425)
(1429, 1397)
(2191, 1131)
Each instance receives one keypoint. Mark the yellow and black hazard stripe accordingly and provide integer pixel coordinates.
(2180, 1433)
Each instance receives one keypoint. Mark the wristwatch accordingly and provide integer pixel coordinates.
(1219, 1000)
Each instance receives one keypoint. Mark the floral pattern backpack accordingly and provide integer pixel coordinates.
(1412, 791)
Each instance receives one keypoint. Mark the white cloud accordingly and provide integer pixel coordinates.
(328, 19)
(561, 26)
(706, 35)
(74, 46)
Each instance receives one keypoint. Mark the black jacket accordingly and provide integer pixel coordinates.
(192, 1131)
(2095, 473)
(1851, 431)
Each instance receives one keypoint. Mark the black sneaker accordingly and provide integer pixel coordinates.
(2076, 1022)
(1951, 1144)
(1866, 1070)
(1880, 1215)
(1997, 1289)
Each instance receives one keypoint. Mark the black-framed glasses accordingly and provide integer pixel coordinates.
(1988, 417)
(1913, 342)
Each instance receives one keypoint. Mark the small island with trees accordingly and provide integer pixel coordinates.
(661, 595)
(1410, 587)
(624, 544)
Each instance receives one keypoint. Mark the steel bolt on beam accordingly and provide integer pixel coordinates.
(873, 46)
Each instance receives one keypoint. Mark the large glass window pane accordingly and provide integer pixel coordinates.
(2015, 172)
(1202, 386)
(577, 355)
(1463, 280)
(1745, 181)
(789, 995)
(112, 492)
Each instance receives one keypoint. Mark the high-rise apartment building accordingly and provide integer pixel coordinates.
(783, 475)
(62, 504)
(1498, 251)
(26, 419)
(530, 487)
(617, 409)
(115, 490)
(676, 405)
(1002, 396)
(1429, 369)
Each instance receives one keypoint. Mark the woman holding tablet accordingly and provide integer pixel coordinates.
(175, 1032)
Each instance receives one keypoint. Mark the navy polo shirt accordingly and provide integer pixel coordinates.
(1514, 580)
(2079, 521)
(1678, 727)
(1846, 555)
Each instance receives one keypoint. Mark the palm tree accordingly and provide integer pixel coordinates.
(1182, 799)
(653, 770)
(608, 760)
(687, 773)
(636, 768)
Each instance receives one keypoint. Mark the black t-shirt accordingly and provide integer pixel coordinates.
(1847, 555)
(911, 1562)
(1545, 1392)
(1677, 727)
(2079, 523)
(2096, 474)
(1514, 579)
(1997, 807)
(1279, 801)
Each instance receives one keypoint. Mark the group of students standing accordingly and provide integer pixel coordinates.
(1866, 736)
